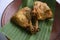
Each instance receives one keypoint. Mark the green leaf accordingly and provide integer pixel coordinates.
(14, 32)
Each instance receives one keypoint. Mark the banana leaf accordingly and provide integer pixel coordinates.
(15, 33)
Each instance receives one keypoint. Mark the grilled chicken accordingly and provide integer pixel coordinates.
(28, 19)
(23, 19)
(41, 10)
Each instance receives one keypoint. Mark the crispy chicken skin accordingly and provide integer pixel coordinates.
(41, 10)
(25, 16)
(23, 19)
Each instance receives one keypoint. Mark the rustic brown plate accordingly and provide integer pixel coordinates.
(9, 11)
(14, 6)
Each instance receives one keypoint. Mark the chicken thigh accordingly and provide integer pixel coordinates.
(23, 19)
(41, 10)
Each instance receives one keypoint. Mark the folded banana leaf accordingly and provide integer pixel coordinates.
(13, 32)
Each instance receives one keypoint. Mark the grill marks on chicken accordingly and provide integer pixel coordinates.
(28, 19)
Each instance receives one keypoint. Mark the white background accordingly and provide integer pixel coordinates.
(3, 5)
(58, 1)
